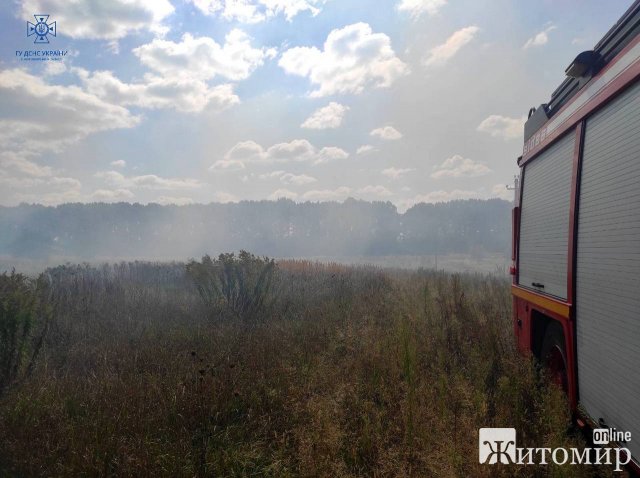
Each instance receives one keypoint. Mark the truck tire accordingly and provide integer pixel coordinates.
(553, 355)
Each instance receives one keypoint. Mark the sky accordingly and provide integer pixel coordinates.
(199, 101)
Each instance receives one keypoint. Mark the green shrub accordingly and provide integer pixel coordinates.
(241, 285)
(23, 324)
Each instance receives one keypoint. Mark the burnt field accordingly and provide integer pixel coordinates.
(239, 366)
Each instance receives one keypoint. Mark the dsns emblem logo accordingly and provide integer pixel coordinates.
(497, 445)
(41, 29)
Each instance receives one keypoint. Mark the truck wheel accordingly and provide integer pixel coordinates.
(553, 355)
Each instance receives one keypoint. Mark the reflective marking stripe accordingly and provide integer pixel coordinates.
(547, 303)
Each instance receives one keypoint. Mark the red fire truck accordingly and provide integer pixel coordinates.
(576, 233)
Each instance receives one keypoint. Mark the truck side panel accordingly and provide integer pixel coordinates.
(544, 220)
(608, 267)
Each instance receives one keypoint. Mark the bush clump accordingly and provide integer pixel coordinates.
(23, 324)
(240, 285)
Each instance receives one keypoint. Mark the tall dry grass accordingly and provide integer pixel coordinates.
(356, 372)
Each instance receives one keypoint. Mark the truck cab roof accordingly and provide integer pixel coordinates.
(585, 66)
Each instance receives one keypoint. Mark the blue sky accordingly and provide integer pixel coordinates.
(181, 101)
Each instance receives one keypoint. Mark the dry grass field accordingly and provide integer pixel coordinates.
(301, 370)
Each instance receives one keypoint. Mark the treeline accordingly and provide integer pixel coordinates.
(276, 228)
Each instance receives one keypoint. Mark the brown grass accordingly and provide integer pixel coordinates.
(357, 372)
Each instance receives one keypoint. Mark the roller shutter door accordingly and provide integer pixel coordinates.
(608, 267)
(544, 223)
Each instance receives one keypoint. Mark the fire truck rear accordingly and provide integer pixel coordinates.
(576, 233)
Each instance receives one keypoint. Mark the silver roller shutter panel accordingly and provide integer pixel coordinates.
(608, 267)
(544, 222)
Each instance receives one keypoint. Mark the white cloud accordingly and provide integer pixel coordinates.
(32, 182)
(255, 11)
(388, 133)
(13, 132)
(396, 173)
(282, 193)
(105, 19)
(330, 153)
(22, 180)
(365, 149)
(227, 165)
(65, 183)
(353, 58)
(16, 162)
(417, 7)
(272, 175)
(338, 194)
(41, 189)
(539, 39)
(289, 178)
(245, 151)
(189, 95)
(379, 191)
(176, 201)
(503, 127)
(298, 150)
(440, 54)
(151, 181)
(120, 163)
(47, 198)
(111, 195)
(457, 167)
(328, 117)
(239, 10)
(202, 58)
(436, 197)
(181, 71)
(500, 191)
(298, 180)
(57, 115)
(54, 68)
(147, 181)
(224, 197)
(291, 8)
